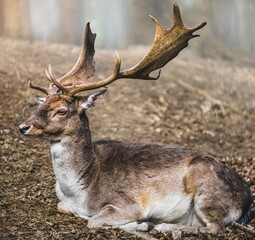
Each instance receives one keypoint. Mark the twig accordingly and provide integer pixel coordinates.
(243, 228)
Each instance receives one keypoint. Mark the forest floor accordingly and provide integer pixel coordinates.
(200, 103)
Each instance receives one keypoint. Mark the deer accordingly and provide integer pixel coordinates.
(132, 186)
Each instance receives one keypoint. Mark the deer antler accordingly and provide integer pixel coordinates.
(85, 65)
(79, 74)
(166, 46)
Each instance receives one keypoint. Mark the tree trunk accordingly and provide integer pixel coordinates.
(14, 19)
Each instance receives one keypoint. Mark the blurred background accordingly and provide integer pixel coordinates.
(120, 23)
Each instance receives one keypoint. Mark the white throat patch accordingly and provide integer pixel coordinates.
(69, 191)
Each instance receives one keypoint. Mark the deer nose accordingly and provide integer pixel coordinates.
(23, 128)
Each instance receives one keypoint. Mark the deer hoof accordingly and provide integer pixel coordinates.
(62, 208)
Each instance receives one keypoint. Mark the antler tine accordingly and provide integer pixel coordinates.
(177, 16)
(42, 89)
(52, 79)
(48, 76)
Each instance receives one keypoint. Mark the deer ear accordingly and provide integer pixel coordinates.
(92, 99)
(40, 100)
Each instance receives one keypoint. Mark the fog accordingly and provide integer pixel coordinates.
(121, 23)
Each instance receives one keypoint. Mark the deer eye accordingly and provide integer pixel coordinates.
(62, 112)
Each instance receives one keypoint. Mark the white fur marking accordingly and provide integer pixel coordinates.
(171, 208)
(68, 189)
(233, 215)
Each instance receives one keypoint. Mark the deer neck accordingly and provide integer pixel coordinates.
(74, 159)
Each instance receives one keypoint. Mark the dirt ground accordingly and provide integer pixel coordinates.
(200, 103)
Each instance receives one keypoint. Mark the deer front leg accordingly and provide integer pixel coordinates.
(112, 216)
(165, 227)
(209, 229)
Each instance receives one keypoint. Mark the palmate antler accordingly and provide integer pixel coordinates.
(166, 46)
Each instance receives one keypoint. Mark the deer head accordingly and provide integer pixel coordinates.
(57, 117)
(59, 112)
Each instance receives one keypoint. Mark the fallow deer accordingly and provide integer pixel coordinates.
(129, 185)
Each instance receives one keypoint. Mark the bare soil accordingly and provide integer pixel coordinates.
(200, 103)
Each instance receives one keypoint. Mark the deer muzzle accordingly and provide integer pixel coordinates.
(23, 128)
